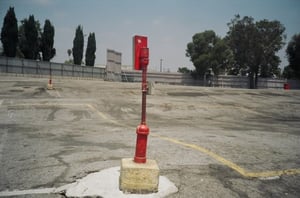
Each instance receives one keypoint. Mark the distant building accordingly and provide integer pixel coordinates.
(100, 66)
(127, 67)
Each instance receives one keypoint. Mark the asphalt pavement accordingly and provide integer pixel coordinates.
(210, 142)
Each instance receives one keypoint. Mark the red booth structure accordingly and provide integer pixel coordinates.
(286, 86)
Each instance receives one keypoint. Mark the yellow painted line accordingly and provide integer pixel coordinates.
(90, 106)
(102, 115)
(232, 165)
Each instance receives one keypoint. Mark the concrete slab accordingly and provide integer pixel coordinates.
(106, 184)
(50, 86)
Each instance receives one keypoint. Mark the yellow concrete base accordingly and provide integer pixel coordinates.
(50, 86)
(139, 178)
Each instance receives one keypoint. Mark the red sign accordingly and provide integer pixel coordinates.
(138, 43)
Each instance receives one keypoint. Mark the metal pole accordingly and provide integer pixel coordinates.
(50, 86)
(142, 130)
(144, 94)
(161, 64)
(50, 73)
(6, 69)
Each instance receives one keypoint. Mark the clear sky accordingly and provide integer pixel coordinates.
(169, 24)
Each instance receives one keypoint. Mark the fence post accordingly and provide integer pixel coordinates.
(92, 72)
(50, 71)
(36, 67)
(22, 66)
(6, 65)
(82, 76)
(72, 70)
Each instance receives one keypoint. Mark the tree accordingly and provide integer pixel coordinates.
(293, 54)
(255, 45)
(90, 50)
(29, 38)
(272, 37)
(78, 46)
(207, 50)
(70, 61)
(184, 70)
(9, 33)
(47, 41)
(288, 72)
(69, 51)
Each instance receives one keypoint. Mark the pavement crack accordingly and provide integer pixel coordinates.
(51, 116)
(59, 157)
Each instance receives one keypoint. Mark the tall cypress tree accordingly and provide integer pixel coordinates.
(9, 33)
(47, 41)
(78, 46)
(29, 44)
(90, 50)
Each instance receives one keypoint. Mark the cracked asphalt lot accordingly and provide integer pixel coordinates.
(211, 142)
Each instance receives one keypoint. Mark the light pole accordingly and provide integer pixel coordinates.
(161, 60)
(50, 85)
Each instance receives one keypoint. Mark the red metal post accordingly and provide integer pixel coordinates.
(50, 79)
(142, 130)
(50, 86)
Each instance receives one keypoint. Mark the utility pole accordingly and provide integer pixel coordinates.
(161, 60)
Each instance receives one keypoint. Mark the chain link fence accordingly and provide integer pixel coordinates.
(41, 68)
